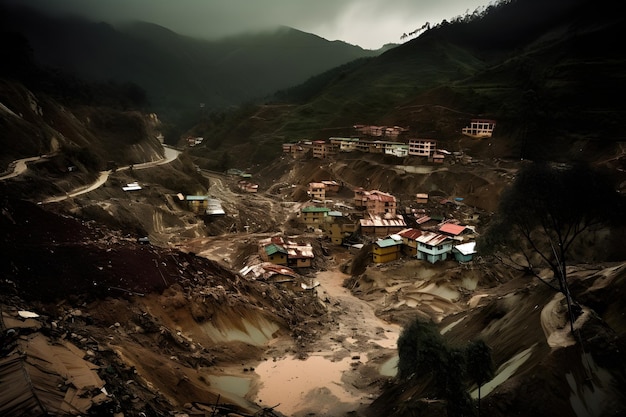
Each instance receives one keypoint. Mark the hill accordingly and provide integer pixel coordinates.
(552, 84)
(177, 72)
(119, 299)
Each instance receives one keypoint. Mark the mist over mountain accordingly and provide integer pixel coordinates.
(177, 72)
(549, 74)
(104, 241)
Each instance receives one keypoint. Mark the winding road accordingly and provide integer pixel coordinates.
(20, 166)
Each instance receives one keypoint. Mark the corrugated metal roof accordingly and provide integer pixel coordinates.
(412, 234)
(299, 251)
(214, 207)
(452, 229)
(377, 221)
(380, 196)
(423, 219)
(385, 243)
(196, 197)
(35, 379)
(312, 209)
(432, 238)
(273, 248)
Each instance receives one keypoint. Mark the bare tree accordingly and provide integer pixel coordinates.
(543, 214)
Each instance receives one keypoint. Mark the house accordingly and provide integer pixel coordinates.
(197, 203)
(214, 207)
(345, 144)
(295, 150)
(340, 228)
(438, 158)
(193, 141)
(433, 247)
(380, 203)
(299, 256)
(421, 198)
(247, 186)
(317, 191)
(479, 128)
(382, 225)
(422, 147)
(409, 240)
(452, 230)
(387, 131)
(375, 202)
(132, 186)
(387, 250)
(314, 215)
(323, 149)
(278, 251)
(273, 253)
(331, 186)
(464, 252)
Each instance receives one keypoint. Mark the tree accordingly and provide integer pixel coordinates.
(480, 367)
(544, 212)
(424, 355)
(420, 348)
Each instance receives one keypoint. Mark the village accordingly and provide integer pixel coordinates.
(429, 227)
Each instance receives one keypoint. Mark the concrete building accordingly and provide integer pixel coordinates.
(422, 147)
(480, 128)
(433, 247)
(387, 250)
(314, 216)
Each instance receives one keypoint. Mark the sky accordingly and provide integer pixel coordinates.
(367, 23)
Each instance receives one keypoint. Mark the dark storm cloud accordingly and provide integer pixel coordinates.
(368, 23)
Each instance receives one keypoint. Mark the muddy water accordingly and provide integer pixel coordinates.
(313, 384)
(319, 383)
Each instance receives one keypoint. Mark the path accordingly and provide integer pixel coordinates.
(170, 154)
(19, 167)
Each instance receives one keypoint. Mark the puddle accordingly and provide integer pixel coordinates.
(233, 387)
(390, 367)
(294, 383)
(257, 335)
(503, 373)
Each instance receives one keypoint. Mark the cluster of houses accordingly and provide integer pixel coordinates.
(202, 204)
(327, 148)
(424, 147)
(194, 140)
(278, 251)
(377, 219)
(445, 243)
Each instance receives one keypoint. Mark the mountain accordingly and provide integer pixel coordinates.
(118, 300)
(178, 72)
(547, 72)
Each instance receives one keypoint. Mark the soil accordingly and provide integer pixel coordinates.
(170, 321)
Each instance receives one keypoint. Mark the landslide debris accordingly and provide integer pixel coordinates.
(147, 318)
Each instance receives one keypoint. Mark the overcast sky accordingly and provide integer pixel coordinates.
(367, 23)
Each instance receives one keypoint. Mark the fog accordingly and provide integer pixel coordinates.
(366, 23)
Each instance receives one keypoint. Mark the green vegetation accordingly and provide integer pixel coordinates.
(442, 371)
(543, 215)
(480, 367)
